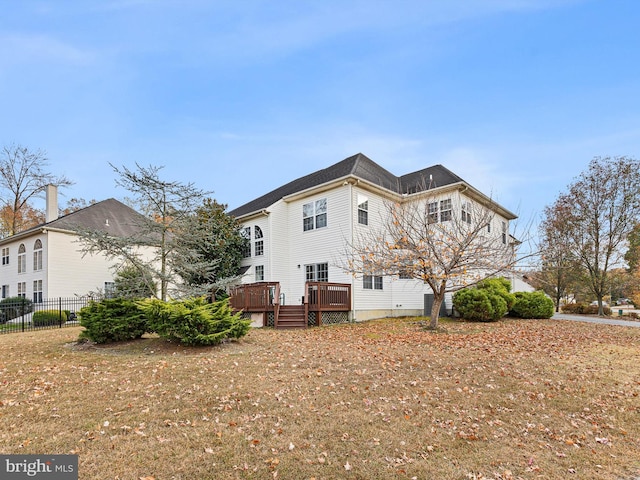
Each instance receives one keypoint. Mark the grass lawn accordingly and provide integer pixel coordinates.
(378, 400)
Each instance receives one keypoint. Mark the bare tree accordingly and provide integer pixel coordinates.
(447, 250)
(22, 178)
(169, 208)
(598, 213)
(559, 267)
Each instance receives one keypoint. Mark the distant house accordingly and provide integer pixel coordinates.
(298, 232)
(46, 261)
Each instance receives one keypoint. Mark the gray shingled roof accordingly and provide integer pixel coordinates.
(359, 166)
(109, 215)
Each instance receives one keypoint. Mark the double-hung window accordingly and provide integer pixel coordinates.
(445, 210)
(246, 248)
(504, 233)
(466, 212)
(314, 215)
(5, 256)
(433, 212)
(259, 273)
(363, 210)
(37, 255)
(37, 291)
(22, 258)
(109, 289)
(22, 289)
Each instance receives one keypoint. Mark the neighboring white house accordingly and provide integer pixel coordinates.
(299, 231)
(46, 261)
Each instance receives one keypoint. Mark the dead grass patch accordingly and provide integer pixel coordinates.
(379, 400)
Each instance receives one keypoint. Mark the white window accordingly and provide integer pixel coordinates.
(466, 212)
(246, 249)
(259, 273)
(318, 272)
(37, 256)
(314, 215)
(372, 282)
(363, 210)
(22, 258)
(433, 212)
(5, 291)
(37, 291)
(489, 227)
(109, 289)
(259, 245)
(445, 210)
(504, 233)
(22, 289)
(5, 256)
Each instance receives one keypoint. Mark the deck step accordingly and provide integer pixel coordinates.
(291, 316)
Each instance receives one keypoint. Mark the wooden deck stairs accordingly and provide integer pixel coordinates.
(291, 316)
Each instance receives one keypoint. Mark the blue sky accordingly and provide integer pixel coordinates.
(239, 97)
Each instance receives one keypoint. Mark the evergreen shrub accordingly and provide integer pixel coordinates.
(532, 305)
(194, 321)
(112, 320)
(488, 301)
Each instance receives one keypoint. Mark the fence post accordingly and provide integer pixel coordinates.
(22, 302)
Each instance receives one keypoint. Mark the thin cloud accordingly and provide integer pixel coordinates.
(23, 48)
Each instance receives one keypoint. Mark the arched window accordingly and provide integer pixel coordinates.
(259, 245)
(37, 255)
(22, 258)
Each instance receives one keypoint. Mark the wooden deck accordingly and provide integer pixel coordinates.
(264, 297)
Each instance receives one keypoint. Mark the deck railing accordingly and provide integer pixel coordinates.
(255, 297)
(264, 297)
(325, 296)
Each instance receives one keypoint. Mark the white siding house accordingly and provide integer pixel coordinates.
(46, 262)
(301, 231)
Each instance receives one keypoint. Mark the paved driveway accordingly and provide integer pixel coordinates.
(600, 320)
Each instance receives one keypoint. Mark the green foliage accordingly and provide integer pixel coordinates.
(112, 320)
(46, 318)
(210, 248)
(499, 286)
(134, 283)
(488, 301)
(532, 305)
(13, 307)
(194, 321)
(473, 304)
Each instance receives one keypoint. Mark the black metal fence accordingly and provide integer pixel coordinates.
(21, 314)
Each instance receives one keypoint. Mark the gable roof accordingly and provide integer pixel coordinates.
(359, 166)
(111, 216)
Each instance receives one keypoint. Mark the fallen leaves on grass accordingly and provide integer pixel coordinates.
(507, 400)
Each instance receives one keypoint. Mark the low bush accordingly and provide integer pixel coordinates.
(584, 309)
(112, 320)
(194, 321)
(46, 318)
(479, 305)
(489, 301)
(532, 305)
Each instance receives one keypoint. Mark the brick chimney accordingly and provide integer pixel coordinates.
(51, 213)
